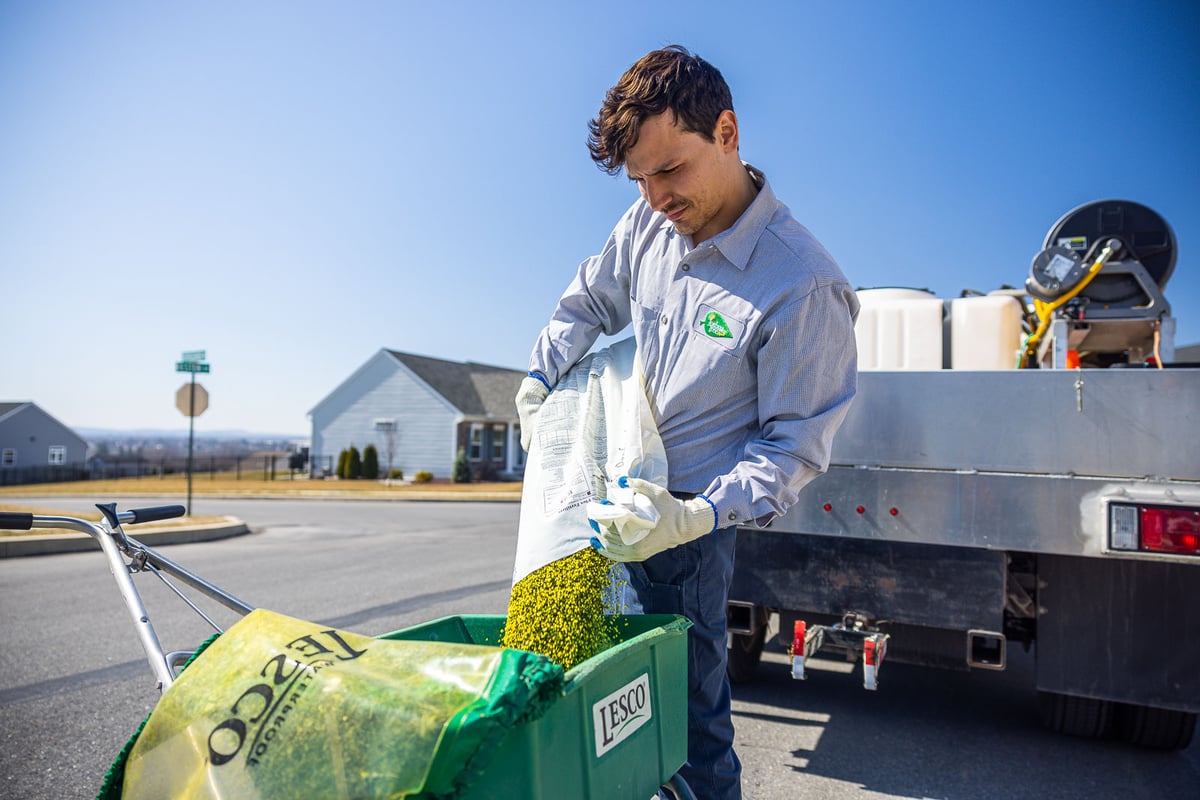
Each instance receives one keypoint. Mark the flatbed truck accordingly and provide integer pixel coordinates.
(1052, 502)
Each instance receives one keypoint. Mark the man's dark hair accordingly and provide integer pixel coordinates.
(671, 79)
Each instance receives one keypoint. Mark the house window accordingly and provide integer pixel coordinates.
(498, 443)
(8, 458)
(475, 442)
(58, 454)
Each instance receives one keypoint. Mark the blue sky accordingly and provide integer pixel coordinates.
(293, 186)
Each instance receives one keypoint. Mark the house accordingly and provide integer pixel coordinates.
(37, 448)
(419, 412)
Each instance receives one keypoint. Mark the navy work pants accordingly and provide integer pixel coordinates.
(693, 580)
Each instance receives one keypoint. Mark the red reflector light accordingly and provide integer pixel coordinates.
(1170, 529)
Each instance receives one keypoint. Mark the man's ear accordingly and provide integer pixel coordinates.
(725, 133)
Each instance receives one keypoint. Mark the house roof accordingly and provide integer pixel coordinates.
(6, 408)
(474, 389)
(9, 408)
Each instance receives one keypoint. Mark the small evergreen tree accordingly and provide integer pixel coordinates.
(370, 466)
(462, 469)
(343, 460)
(354, 464)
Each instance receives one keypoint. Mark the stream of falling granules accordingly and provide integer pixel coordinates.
(559, 610)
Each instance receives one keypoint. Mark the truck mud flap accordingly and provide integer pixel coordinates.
(1111, 629)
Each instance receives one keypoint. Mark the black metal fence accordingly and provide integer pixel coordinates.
(53, 473)
(238, 467)
(323, 466)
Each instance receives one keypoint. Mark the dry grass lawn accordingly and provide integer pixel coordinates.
(250, 486)
(173, 489)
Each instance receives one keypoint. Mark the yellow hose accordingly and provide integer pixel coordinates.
(1046, 310)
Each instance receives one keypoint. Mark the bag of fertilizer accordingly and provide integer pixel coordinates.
(594, 427)
(278, 707)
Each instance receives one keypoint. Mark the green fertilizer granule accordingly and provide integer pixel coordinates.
(559, 610)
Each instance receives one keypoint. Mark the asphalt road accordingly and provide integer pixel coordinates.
(74, 685)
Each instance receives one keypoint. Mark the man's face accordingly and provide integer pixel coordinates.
(685, 176)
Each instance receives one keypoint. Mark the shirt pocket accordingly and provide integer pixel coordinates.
(648, 326)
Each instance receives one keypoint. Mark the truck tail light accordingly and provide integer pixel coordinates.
(1155, 529)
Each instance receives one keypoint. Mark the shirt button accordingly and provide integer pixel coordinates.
(664, 319)
(686, 267)
(732, 516)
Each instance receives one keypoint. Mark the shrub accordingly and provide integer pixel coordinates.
(343, 462)
(370, 465)
(398, 475)
(424, 476)
(354, 464)
(462, 469)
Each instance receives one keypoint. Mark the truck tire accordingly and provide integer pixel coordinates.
(1156, 728)
(1075, 716)
(745, 651)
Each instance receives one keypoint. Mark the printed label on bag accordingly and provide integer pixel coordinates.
(617, 716)
(260, 712)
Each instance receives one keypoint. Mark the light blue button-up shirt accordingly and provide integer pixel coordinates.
(747, 341)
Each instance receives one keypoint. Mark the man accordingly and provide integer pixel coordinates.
(745, 330)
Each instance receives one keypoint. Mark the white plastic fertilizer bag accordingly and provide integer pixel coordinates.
(596, 426)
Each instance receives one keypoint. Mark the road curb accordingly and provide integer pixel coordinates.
(20, 546)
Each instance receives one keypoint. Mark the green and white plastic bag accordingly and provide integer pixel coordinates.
(278, 707)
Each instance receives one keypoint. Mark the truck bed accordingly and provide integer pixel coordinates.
(1014, 460)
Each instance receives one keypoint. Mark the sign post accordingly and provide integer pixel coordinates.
(192, 400)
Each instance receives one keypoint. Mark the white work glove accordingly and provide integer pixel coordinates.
(631, 514)
(679, 521)
(530, 396)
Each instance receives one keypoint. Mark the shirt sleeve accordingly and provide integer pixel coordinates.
(807, 377)
(596, 301)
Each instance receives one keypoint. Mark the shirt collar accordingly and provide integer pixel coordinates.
(737, 242)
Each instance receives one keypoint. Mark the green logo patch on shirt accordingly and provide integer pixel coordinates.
(719, 327)
(714, 325)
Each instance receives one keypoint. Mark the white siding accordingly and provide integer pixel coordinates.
(385, 389)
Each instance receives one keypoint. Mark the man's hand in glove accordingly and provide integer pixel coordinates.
(679, 521)
(530, 396)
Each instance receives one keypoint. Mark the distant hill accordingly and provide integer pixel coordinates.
(167, 433)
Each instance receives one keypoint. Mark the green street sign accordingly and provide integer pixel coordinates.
(192, 355)
(190, 366)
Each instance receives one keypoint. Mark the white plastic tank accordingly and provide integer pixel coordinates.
(899, 329)
(985, 332)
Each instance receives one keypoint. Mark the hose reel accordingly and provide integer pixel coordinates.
(1132, 281)
(1098, 283)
